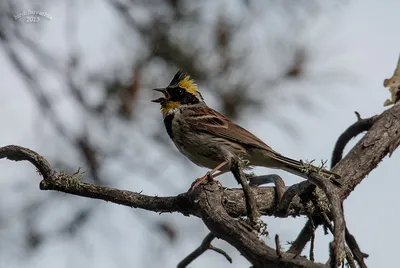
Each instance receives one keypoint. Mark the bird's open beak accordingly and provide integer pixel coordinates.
(163, 91)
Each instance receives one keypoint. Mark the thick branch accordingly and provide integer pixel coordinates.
(241, 235)
(232, 199)
(383, 132)
(369, 151)
(335, 207)
(217, 207)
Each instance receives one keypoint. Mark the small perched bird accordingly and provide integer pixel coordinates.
(211, 140)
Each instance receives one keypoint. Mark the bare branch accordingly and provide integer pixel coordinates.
(335, 207)
(240, 234)
(270, 178)
(222, 252)
(219, 208)
(251, 205)
(359, 256)
(304, 236)
(352, 131)
(369, 151)
(312, 240)
(204, 246)
(293, 191)
(348, 251)
(233, 199)
(278, 246)
(349, 258)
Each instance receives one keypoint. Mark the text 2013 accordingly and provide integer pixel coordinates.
(32, 19)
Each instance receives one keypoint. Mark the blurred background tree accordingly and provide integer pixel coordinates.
(76, 89)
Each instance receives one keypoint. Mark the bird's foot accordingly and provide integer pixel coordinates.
(208, 177)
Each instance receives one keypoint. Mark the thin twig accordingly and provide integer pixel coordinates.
(270, 178)
(352, 131)
(290, 193)
(304, 236)
(222, 252)
(349, 255)
(349, 258)
(335, 205)
(251, 205)
(204, 246)
(312, 240)
(278, 246)
(359, 256)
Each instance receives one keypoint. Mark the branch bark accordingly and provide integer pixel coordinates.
(220, 208)
(369, 151)
(233, 200)
(204, 246)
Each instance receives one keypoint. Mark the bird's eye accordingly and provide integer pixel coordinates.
(180, 91)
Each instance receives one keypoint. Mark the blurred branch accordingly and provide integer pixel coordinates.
(160, 43)
(44, 102)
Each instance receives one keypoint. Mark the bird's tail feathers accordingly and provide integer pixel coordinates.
(301, 169)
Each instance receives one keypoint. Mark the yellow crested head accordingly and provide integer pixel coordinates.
(183, 80)
(188, 84)
(181, 91)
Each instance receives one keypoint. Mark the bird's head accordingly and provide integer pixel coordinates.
(181, 91)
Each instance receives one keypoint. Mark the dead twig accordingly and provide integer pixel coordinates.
(222, 252)
(290, 193)
(270, 178)
(204, 246)
(304, 236)
(352, 131)
(312, 240)
(278, 246)
(359, 256)
(349, 255)
(251, 205)
(335, 206)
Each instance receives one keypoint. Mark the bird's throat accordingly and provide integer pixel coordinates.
(169, 106)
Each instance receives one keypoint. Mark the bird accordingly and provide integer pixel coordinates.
(211, 140)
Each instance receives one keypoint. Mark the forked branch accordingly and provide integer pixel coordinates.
(219, 208)
(204, 246)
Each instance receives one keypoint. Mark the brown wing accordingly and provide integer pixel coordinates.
(209, 120)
